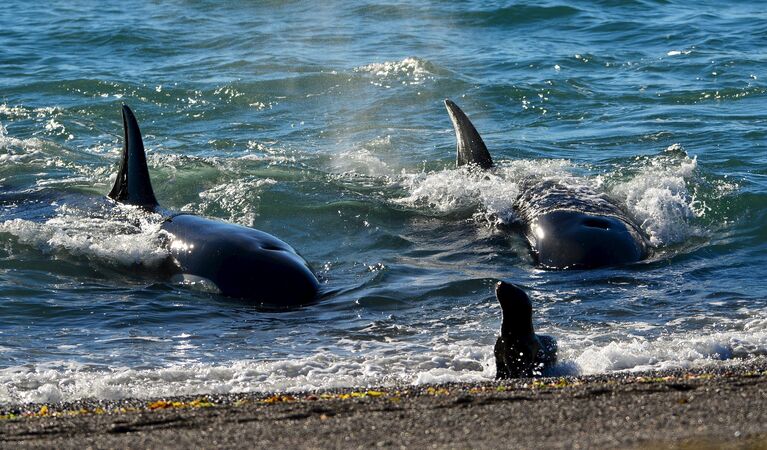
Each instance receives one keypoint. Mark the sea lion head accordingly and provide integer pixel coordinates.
(519, 352)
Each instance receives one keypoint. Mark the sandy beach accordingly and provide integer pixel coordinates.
(723, 407)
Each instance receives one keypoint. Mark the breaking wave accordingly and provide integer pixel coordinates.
(660, 195)
(466, 361)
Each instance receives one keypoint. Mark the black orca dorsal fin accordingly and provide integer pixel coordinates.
(470, 147)
(517, 310)
(133, 185)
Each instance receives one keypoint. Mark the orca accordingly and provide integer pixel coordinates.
(233, 260)
(519, 352)
(566, 228)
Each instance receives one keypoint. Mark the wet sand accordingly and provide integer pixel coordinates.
(724, 407)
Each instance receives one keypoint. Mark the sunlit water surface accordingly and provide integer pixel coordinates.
(323, 123)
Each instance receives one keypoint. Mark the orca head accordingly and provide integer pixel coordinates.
(567, 239)
(241, 262)
(268, 273)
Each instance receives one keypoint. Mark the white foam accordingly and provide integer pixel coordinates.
(491, 192)
(659, 197)
(23, 112)
(34, 155)
(409, 71)
(680, 350)
(375, 365)
(13, 112)
(111, 240)
(15, 151)
(321, 370)
(368, 159)
(239, 198)
(678, 52)
(267, 151)
(55, 127)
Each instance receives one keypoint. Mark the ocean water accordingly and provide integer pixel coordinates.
(323, 123)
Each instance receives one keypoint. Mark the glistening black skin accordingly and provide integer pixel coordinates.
(519, 352)
(238, 261)
(566, 228)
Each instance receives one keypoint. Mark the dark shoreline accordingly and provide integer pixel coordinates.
(715, 407)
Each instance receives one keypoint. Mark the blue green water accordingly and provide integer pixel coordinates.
(323, 123)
